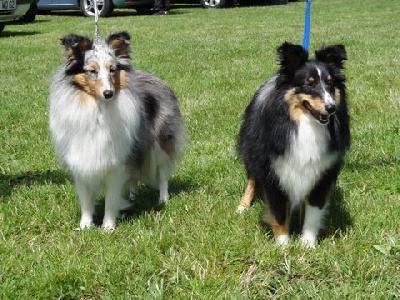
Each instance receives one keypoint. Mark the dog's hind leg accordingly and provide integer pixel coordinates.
(133, 190)
(248, 196)
(163, 174)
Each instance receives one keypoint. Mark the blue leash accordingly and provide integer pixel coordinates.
(307, 25)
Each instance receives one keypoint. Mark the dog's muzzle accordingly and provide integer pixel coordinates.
(322, 118)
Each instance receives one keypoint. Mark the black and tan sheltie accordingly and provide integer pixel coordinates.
(294, 137)
(112, 125)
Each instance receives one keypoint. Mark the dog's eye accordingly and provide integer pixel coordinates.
(92, 72)
(329, 84)
(112, 70)
(310, 83)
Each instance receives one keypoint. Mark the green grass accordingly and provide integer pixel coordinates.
(197, 247)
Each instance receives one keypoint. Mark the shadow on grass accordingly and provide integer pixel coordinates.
(337, 219)
(8, 33)
(146, 200)
(9, 183)
(367, 165)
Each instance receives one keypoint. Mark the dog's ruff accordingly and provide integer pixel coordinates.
(293, 139)
(112, 125)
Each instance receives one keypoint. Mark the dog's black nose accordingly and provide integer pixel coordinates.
(330, 108)
(108, 94)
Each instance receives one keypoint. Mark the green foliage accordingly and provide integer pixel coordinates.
(196, 247)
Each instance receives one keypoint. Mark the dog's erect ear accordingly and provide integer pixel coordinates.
(121, 43)
(75, 47)
(291, 57)
(333, 55)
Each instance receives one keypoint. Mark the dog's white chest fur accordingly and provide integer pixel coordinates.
(307, 157)
(92, 137)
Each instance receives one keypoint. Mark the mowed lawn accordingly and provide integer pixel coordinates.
(197, 247)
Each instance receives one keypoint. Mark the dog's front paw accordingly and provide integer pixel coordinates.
(309, 240)
(240, 209)
(164, 196)
(282, 240)
(86, 223)
(109, 225)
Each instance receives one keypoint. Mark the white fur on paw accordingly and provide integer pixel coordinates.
(240, 209)
(108, 226)
(282, 240)
(309, 240)
(163, 199)
(86, 223)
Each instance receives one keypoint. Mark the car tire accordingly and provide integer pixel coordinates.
(105, 7)
(30, 15)
(216, 3)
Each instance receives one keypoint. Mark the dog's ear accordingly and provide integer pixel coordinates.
(291, 58)
(333, 55)
(75, 47)
(121, 43)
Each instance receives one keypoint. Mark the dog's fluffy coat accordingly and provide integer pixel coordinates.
(294, 136)
(112, 125)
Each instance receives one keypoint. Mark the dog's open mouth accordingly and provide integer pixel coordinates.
(321, 118)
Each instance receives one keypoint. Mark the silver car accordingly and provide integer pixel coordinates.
(16, 10)
(105, 7)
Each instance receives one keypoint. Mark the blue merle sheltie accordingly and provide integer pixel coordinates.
(112, 125)
(294, 137)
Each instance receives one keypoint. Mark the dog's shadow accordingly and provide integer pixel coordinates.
(10, 183)
(146, 200)
(338, 219)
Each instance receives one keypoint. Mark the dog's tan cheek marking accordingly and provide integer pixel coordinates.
(317, 104)
(81, 80)
(97, 87)
(294, 103)
(85, 97)
(249, 193)
(87, 86)
(121, 79)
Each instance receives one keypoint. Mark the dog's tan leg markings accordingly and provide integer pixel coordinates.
(280, 231)
(248, 196)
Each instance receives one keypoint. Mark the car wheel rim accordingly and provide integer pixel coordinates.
(89, 6)
(212, 3)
